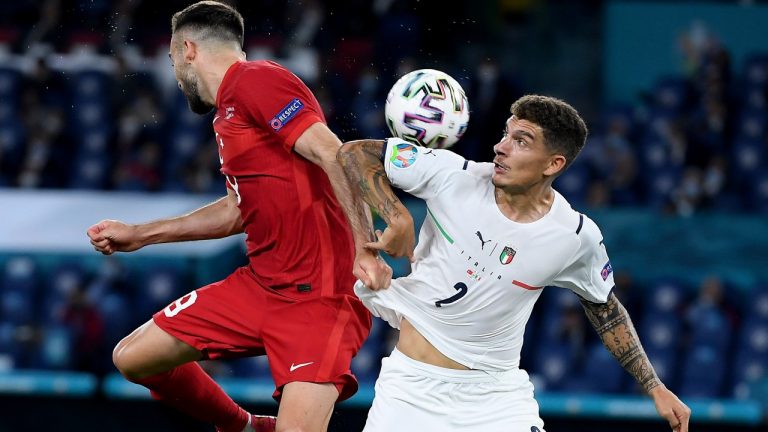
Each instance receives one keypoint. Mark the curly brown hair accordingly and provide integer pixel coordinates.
(564, 130)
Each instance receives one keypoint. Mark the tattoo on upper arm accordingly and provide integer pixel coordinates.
(362, 166)
(613, 325)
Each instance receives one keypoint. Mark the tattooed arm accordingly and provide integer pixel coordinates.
(615, 328)
(363, 167)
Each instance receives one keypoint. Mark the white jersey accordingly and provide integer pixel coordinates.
(477, 274)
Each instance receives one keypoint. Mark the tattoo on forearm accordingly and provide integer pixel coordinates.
(361, 164)
(613, 325)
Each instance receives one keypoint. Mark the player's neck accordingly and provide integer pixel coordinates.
(212, 75)
(525, 206)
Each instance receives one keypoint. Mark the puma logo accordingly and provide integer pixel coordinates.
(482, 242)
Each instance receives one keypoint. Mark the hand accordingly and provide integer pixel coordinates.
(372, 270)
(671, 408)
(397, 240)
(110, 236)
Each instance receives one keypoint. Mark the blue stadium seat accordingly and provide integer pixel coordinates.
(702, 373)
(554, 364)
(119, 317)
(747, 159)
(665, 363)
(671, 95)
(91, 85)
(574, 183)
(55, 350)
(756, 69)
(16, 307)
(19, 274)
(602, 373)
(251, 367)
(753, 338)
(757, 306)
(10, 348)
(10, 83)
(62, 283)
(157, 288)
(709, 328)
(757, 197)
(90, 172)
(367, 363)
(665, 296)
(659, 330)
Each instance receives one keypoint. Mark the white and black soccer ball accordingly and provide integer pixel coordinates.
(427, 107)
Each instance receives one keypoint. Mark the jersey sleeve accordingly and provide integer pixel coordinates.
(589, 273)
(278, 101)
(420, 171)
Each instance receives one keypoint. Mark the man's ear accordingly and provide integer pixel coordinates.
(190, 50)
(556, 165)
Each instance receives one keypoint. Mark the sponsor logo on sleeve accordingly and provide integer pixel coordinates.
(403, 155)
(286, 114)
(606, 271)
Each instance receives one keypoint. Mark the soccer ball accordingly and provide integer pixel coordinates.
(427, 107)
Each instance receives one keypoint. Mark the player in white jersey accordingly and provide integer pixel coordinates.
(495, 234)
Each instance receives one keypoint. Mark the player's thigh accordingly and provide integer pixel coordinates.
(306, 407)
(221, 320)
(149, 350)
(313, 341)
(405, 401)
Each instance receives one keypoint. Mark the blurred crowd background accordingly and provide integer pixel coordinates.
(88, 102)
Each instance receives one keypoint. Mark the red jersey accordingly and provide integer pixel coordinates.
(298, 238)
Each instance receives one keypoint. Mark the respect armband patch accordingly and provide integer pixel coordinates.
(286, 114)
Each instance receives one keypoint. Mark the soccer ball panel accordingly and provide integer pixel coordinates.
(427, 107)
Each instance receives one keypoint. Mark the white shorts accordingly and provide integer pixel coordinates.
(412, 396)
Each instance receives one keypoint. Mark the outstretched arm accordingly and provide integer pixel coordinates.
(216, 220)
(318, 144)
(613, 325)
(363, 167)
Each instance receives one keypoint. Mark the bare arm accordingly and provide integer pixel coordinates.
(613, 325)
(319, 145)
(364, 169)
(216, 220)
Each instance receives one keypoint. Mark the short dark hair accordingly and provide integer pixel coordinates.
(564, 130)
(215, 19)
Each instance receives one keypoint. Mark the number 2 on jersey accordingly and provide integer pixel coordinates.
(461, 287)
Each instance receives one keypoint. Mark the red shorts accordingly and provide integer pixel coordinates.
(310, 340)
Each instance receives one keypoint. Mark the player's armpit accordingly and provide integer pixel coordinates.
(613, 325)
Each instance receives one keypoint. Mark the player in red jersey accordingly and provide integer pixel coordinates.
(294, 300)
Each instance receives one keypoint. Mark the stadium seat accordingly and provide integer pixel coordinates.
(90, 172)
(20, 274)
(10, 80)
(702, 373)
(119, 317)
(601, 373)
(709, 328)
(671, 94)
(367, 363)
(157, 288)
(251, 367)
(660, 334)
(554, 364)
(756, 69)
(665, 296)
(574, 183)
(55, 350)
(16, 307)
